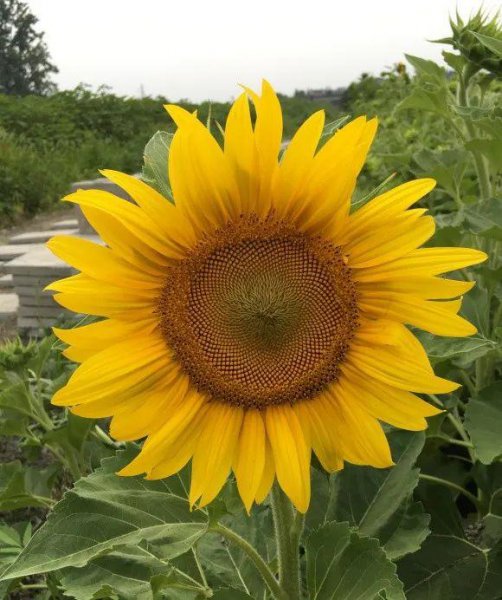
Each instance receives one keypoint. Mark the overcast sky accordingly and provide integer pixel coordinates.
(201, 49)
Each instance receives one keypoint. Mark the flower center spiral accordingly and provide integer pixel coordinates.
(259, 313)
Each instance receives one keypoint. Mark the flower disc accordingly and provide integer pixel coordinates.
(259, 313)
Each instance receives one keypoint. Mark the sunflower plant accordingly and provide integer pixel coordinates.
(263, 349)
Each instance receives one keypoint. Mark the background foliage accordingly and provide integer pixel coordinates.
(428, 528)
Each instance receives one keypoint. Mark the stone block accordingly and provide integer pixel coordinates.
(38, 262)
(65, 224)
(36, 300)
(6, 282)
(39, 237)
(8, 252)
(8, 305)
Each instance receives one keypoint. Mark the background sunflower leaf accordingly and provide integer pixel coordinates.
(452, 568)
(337, 557)
(483, 420)
(112, 511)
(155, 163)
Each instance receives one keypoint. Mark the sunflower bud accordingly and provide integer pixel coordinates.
(468, 39)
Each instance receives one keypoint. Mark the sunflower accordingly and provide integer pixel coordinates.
(254, 319)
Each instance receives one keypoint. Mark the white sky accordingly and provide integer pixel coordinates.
(200, 49)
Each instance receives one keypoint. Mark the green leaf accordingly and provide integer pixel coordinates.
(155, 163)
(427, 67)
(483, 421)
(463, 351)
(225, 564)
(22, 487)
(455, 61)
(489, 480)
(231, 594)
(451, 568)
(420, 99)
(345, 566)
(377, 501)
(127, 572)
(112, 511)
(493, 44)
(486, 220)
(405, 532)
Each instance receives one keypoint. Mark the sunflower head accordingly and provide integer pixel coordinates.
(252, 318)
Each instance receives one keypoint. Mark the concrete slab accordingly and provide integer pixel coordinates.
(65, 224)
(33, 291)
(38, 237)
(45, 312)
(9, 252)
(5, 282)
(34, 323)
(8, 305)
(38, 262)
(36, 301)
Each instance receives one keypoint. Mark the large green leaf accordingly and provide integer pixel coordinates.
(155, 162)
(451, 568)
(226, 565)
(131, 573)
(345, 566)
(483, 420)
(377, 501)
(112, 511)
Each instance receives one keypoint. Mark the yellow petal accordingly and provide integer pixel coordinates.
(126, 245)
(147, 415)
(423, 262)
(268, 138)
(291, 454)
(385, 364)
(268, 475)
(203, 185)
(392, 405)
(360, 435)
(162, 447)
(316, 416)
(428, 288)
(132, 217)
(439, 318)
(123, 369)
(296, 164)
(215, 452)
(159, 209)
(240, 151)
(250, 457)
(97, 336)
(378, 211)
(81, 294)
(100, 263)
(333, 178)
(409, 231)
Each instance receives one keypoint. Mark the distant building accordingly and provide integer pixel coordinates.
(333, 96)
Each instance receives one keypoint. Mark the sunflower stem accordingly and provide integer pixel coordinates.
(288, 526)
(262, 567)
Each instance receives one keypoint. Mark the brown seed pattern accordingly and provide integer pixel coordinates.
(259, 313)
